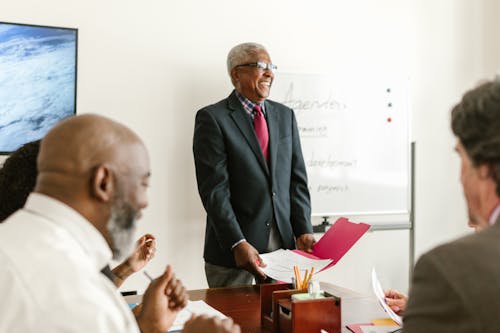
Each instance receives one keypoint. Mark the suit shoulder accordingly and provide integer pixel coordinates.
(278, 105)
(466, 249)
(216, 107)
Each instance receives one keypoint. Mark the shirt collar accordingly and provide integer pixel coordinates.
(494, 216)
(248, 105)
(65, 217)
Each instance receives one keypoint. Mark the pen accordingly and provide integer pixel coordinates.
(148, 276)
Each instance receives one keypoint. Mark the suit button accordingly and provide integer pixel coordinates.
(268, 224)
(274, 194)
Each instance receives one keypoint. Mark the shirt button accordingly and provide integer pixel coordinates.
(268, 224)
(274, 194)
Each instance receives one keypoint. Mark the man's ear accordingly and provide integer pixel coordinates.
(485, 171)
(235, 79)
(102, 183)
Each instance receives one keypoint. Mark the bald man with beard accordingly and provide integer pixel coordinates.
(90, 191)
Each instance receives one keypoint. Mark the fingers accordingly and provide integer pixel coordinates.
(305, 242)
(177, 295)
(260, 262)
(229, 326)
(146, 247)
(396, 300)
(396, 305)
(247, 257)
(394, 294)
(163, 281)
(204, 323)
(260, 273)
(167, 285)
(149, 237)
(149, 248)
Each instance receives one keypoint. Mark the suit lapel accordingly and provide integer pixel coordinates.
(272, 125)
(243, 121)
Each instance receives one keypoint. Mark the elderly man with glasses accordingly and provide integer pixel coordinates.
(251, 174)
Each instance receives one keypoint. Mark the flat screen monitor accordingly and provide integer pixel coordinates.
(37, 81)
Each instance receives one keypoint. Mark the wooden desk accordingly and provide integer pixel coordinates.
(243, 305)
(240, 303)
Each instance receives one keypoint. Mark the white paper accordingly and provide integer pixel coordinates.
(378, 329)
(280, 264)
(379, 292)
(197, 308)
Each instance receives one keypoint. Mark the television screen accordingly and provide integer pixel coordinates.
(37, 81)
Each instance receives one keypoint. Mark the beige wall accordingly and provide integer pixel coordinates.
(151, 64)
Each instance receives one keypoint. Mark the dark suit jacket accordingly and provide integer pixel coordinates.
(456, 287)
(240, 193)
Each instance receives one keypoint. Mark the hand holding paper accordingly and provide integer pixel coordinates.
(247, 257)
(326, 252)
(306, 242)
(379, 292)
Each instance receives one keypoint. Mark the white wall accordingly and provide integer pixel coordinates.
(151, 64)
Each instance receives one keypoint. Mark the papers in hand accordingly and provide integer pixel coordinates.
(379, 292)
(329, 249)
(196, 308)
(280, 264)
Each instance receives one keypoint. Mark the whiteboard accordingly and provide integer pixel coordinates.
(355, 139)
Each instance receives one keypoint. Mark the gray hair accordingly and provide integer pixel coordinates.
(240, 52)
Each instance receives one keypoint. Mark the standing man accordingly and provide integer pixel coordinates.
(251, 174)
(456, 286)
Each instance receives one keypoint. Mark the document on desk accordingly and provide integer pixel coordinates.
(379, 292)
(280, 264)
(197, 308)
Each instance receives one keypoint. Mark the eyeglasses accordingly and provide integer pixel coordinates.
(259, 65)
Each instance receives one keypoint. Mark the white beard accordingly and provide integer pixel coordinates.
(121, 227)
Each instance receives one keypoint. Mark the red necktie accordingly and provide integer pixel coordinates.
(260, 125)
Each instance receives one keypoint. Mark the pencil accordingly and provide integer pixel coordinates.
(148, 276)
(308, 278)
(298, 280)
(295, 274)
(304, 284)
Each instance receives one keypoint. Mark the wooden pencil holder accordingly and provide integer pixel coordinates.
(282, 314)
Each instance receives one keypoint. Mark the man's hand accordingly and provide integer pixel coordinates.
(305, 242)
(210, 325)
(144, 251)
(162, 300)
(247, 257)
(396, 301)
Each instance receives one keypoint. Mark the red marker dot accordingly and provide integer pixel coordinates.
(389, 119)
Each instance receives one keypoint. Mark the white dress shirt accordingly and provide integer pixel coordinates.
(50, 280)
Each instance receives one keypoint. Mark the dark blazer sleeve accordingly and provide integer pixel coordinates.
(300, 202)
(436, 303)
(213, 178)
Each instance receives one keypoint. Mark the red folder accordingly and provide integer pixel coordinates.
(339, 239)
